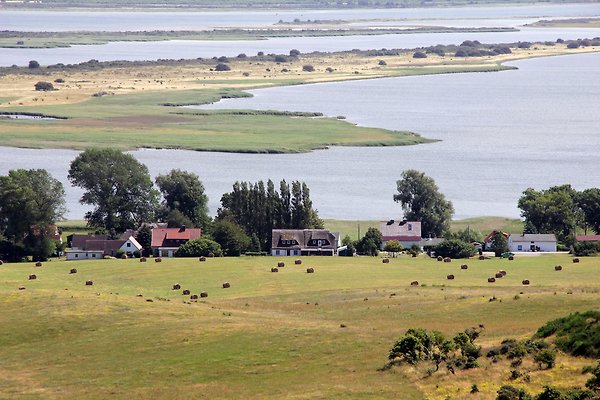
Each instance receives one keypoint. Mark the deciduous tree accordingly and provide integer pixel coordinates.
(183, 191)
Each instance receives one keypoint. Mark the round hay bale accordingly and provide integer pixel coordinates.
(158, 259)
(297, 262)
(464, 266)
(386, 260)
(32, 277)
(150, 300)
(440, 258)
(202, 259)
(89, 283)
(21, 287)
(204, 294)
(194, 297)
(558, 267)
(510, 258)
(274, 269)
(503, 272)
(38, 264)
(491, 280)
(176, 286)
(499, 275)
(414, 283)
(450, 277)
(124, 257)
(226, 285)
(185, 292)
(525, 282)
(280, 264)
(143, 259)
(310, 270)
(576, 260)
(447, 259)
(73, 271)
(211, 255)
(1, 262)
(482, 257)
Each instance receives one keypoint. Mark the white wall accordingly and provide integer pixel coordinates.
(525, 246)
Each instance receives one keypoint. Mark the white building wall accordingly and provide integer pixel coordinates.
(84, 255)
(526, 246)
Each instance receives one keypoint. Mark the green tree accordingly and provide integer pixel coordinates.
(393, 246)
(371, 243)
(499, 244)
(589, 203)
(350, 248)
(183, 191)
(117, 185)
(421, 201)
(199, 247)
(507, 392)
(231, 237)
(455, 248)
(144, 237)
(30, 201)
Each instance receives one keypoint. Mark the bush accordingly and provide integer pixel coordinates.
(199, 247)
(231, 237)
(222, 67)
(382, 62)
(545, 358)
(393, 246)
(280, 58)
(573, 45)
(329, 69)
(44, 86)
(507, 392)
(577, 334)
(461, 53)
(59, 80)
(419, 54)
(585, 249)
(454, 248)
(308, 68)
(242, 55)
(33, 64)
(120, 253)
(294, 53)
(223, 59)
(524, 45)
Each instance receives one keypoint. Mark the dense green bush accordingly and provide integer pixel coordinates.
(231, 237)
(454, 248)
(308, 68)
(393, 246)
(577, 334)
(199, 247)
(507, 392)
(585, 249)
(294, 53)
(419, 54)
(222, 67)
(42, 86)
(33, 64)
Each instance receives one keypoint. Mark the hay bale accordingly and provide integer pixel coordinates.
(310, 270)
(503, 272)
(491, 280)
(194, 297)
(482, 258)
(89, 283)
(150, 300)
(124, 257)
(440, 258)
(280, 264)
(32, 277)
(464, 266)
(176, 286)
(414, 283)
(510, 258)
(185, 292)
(525, 282)
(73, 271)
(202, 259)
(499, 275)
(450, 277)
(143, 259)
(21, 287)
(447, 259)
(558, 267)
(226, 285)
(204, 294)
(211, 255)
(38, 264)
(274, 269)
(386, 260)
(158, 259)
(1, 262)
(576, 260)
(298, 262)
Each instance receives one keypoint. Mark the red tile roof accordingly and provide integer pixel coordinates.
(159, 235)
(587, 238)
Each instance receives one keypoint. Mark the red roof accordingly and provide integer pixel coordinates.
(492, 233)
(587, 238)
(159, 235)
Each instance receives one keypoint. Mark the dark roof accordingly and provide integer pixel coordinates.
(303, 236)
(533, 237)
(78, 241)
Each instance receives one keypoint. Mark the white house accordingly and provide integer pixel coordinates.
(96, 249)
(529, 242)
(406, 232)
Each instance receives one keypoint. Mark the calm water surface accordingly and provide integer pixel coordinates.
(502, 132)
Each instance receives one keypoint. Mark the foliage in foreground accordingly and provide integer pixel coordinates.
(577, 334)
(200, 247)
(455, 248)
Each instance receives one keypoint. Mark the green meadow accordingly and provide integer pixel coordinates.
(279, 335)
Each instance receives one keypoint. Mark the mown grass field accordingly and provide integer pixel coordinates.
(278, 335)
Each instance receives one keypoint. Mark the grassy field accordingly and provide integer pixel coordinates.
(123, 105)
(568, 23)
(271, 335)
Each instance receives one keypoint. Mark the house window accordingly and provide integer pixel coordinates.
(93, 256)
(76, 255)
(128, 244)
(319, 243)
(520, 247)
(410, 227)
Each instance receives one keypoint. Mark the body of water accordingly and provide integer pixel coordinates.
(502, 132)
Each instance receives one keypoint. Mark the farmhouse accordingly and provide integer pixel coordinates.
(527, 242)
(86, 247)
(304, 242)
(406, 232)
(166, 241)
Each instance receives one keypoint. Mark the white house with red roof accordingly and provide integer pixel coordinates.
(166, 241)
(406, 232)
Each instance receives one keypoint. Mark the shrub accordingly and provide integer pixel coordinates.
(585, 249)
(42, 86)
(393, 246)
(573, 45)
(294, 53)
(242, 55)
(223, 59)
(419, 54)
(454, 248)
(524, 45)
(545, 358)
(260, 53)
(414, 250)
(199, 247)
(59, 80)
(120, 253)
(280, 58)
(33, 64)
(308, 68)
(461, 53)
(382, 62)
(507, 392)
(577, 334)
(329, 69)
(222, 67)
